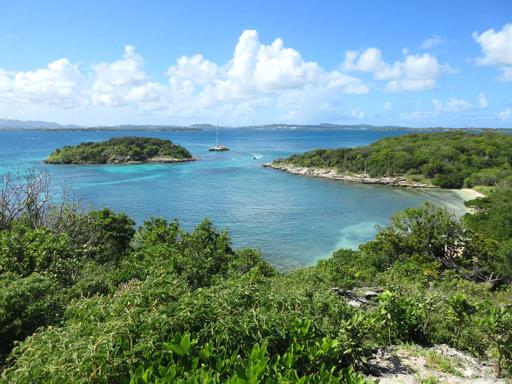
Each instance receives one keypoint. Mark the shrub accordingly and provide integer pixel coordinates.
(26, 304)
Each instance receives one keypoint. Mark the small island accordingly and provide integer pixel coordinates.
(121, 150)
(454, 159)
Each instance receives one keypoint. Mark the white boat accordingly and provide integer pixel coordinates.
(218, 147)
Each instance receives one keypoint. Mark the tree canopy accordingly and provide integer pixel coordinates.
(119, 150)
(445, 159)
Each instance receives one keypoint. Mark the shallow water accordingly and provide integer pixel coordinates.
(294, 220)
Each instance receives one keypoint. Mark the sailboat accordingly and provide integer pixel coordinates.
(218, 147)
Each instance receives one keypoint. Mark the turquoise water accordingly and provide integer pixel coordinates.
(294, 220)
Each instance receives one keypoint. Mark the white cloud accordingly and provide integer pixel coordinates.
(256, 67)
(452, 105)
(506, 114)
(497, 49)
(414, 73)
(189, 73)
(256, 75)
(60, 84)
(432, 42)
(482, 100)
(269, 80)
(124, 82)
(388, 106)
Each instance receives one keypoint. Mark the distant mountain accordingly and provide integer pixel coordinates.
(30, 124)
(7, 124)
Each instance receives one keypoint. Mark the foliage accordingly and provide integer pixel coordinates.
(304, 360)
(399, 315)
(112, 235)
(447, 159)
(435, 233)
(26, 303)
(24, 250)
(89, 298)
(492, 217)
(119, 149)
(497, 324)
(460, 309)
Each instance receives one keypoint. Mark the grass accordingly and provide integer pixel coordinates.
(430, 380)
(442, 363)
(435, 360)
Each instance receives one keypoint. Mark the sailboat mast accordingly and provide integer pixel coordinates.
(217, 135)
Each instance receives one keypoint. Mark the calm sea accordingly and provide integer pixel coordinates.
(294, 220)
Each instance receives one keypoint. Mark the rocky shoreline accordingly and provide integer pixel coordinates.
(127, 160)
(395, 181)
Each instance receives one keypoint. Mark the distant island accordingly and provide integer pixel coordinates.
(453, 159)
(121, 150)
(21, 125)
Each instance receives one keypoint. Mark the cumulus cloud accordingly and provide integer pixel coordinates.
(259, 76)
(257, 68)
(59, 84)
(414, 73)
(124, 82)
(496, 48)
(432, 42)
(452, 105)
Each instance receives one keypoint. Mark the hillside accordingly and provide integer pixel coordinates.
(85, 296)
(443, 159)
(129, 150)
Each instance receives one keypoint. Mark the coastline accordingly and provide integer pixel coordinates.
(464, 194)
(395, 181)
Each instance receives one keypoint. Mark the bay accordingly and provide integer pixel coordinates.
(294, 220)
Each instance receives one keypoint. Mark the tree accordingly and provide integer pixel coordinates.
(497, 324)
(460, 309)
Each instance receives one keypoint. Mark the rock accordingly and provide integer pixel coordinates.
(415, 364)
(354, 303)
(397, 181)
(357, 297)
(370, 294)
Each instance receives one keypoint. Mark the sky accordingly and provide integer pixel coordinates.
(408, 63)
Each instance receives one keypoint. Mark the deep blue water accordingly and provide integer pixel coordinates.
(294, 220)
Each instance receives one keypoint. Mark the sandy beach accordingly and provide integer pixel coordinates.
(467, 193)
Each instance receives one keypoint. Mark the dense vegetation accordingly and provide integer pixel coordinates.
(119, 150)
(446, 159)
(86, 297)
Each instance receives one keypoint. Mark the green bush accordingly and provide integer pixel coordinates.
(24, 250)
(304, 360)
(26, 304)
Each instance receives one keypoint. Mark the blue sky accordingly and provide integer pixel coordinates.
(421, 63)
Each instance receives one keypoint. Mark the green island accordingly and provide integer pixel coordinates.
(444, 159)
(85, 296)
(121, 150)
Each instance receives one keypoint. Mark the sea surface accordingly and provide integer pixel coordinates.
(293, 220)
